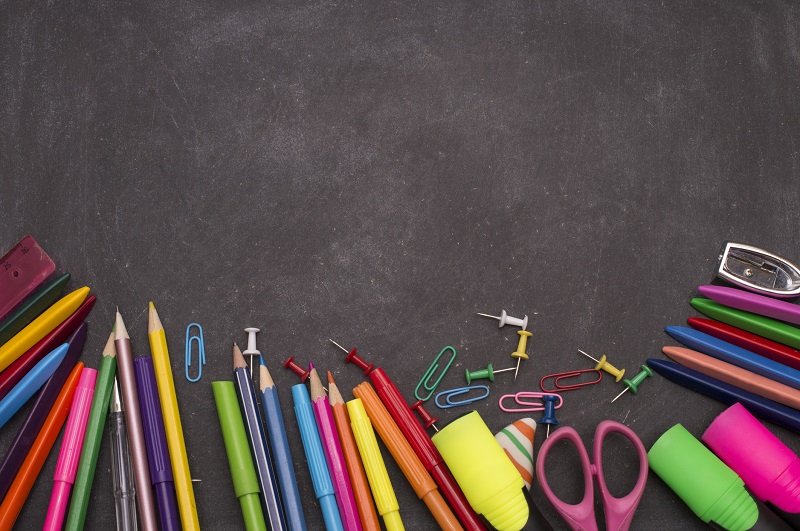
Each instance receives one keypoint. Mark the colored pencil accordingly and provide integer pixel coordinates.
(39, 411)
(382, 489)
(757, 324)
(172, 422)
(133, 420)
(20, 367)
(408, 461)
(156, 442)
(26, 312)
(281, 454)
(265, 470)
(753, 303)
(70, 452)
(358, 479)
(121, 469)
(41, 326)
(315, 455)
(76, 517)
(39, 450)
(243, 473)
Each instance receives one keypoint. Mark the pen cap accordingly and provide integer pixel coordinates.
(768, 467)
(710, 489)
(490, 482)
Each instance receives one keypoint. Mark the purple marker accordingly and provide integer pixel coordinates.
(156, 442)
(754, 303)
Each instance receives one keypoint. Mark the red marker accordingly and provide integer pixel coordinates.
(760, 345)
(419, 440)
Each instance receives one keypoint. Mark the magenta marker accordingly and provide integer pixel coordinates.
(753, 302)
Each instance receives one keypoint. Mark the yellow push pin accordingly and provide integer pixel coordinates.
(602, 364)
(521, 346)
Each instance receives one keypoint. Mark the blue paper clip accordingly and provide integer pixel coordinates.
(458, 391)
(201, 351)
(426, 378)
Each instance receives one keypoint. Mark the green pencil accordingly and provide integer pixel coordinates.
(753, 323)
(94, 434)
(30, 309)
(240, 460)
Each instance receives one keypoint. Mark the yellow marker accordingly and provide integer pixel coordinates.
(41, 326)
(381, 486)
(172, 422)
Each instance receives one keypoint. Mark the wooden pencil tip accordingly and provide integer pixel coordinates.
(153, 321)
(238, 359)
(264, 377)
(120, 332)
(110, 350)
(330, 379)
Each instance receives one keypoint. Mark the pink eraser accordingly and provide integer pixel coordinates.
(768, 467)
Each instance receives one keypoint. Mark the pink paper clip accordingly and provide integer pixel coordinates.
(558, 377)
(528, 406)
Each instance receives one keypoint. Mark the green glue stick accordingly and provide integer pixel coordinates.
(243, 472)
(711, 490)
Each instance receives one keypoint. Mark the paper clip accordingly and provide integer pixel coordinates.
(565, 375)
(458, 391)
(426, 378)
(532, 406)
(201, 351)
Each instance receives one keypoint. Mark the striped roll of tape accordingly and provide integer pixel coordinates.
(516, 439)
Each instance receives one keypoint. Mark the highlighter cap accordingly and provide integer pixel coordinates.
(490, 482)
(768, 467)
(710, 489)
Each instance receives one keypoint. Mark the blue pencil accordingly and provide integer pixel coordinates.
(31, 383)
(727, 394)
(281, 455)
(320, 477)
(707, 344)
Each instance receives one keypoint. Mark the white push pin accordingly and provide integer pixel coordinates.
(507, 319)
(251, 346)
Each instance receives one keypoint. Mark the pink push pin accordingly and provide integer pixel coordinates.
(297, 369)
(352, 357)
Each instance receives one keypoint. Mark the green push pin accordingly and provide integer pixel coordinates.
(488, 372)
(634, 382)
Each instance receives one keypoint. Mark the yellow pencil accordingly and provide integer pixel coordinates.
(172, 423)
(41, 326)
(379, 482)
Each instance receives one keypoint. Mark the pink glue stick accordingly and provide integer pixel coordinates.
(768, 467)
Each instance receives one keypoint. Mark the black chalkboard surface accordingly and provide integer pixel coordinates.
(378, 172)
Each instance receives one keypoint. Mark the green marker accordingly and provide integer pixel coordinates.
(94, 434)
(710, 489)
(757, 324)
(30, 309)
(243, 472)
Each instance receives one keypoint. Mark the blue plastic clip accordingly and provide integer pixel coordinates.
(458, 391)
(201, 351)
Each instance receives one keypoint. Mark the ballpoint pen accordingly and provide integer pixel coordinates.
(121, 470)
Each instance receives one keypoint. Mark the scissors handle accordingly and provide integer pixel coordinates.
(618, 511)
(580, 516)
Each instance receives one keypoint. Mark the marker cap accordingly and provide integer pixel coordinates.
(771, 472)
(710, 489)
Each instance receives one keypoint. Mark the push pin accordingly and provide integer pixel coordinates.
(251, 346)
(488, 372)
(352, 357)
(507, 319)
(603, 365)
(634, 382)
(549, 415)
(297, 369)
(427, 419)
(521, 346)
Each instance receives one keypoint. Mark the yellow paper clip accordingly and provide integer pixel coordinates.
(426, 378)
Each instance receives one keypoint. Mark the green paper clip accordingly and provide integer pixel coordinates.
(426, 378)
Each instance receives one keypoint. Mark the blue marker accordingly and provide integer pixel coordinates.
(30, 383)
(738, 356)
(320, 477)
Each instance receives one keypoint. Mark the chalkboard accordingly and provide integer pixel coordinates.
(379, 172)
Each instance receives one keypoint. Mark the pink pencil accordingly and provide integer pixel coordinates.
(70, 453)
(333, 453)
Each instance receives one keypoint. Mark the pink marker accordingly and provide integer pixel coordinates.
(752, 302)
(70, 453)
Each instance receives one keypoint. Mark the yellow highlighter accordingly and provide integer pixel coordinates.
(381, 486)
(172, 423)
(41, 326)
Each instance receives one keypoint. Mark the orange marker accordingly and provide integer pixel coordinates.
(409, 463)
(37, 455)
(358, 478)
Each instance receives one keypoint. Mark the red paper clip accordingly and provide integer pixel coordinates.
(565, 375)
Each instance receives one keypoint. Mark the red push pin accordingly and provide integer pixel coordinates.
(352, 357)
(297, 369)
(427, 419)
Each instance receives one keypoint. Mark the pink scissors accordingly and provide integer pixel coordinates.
(618, 511)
